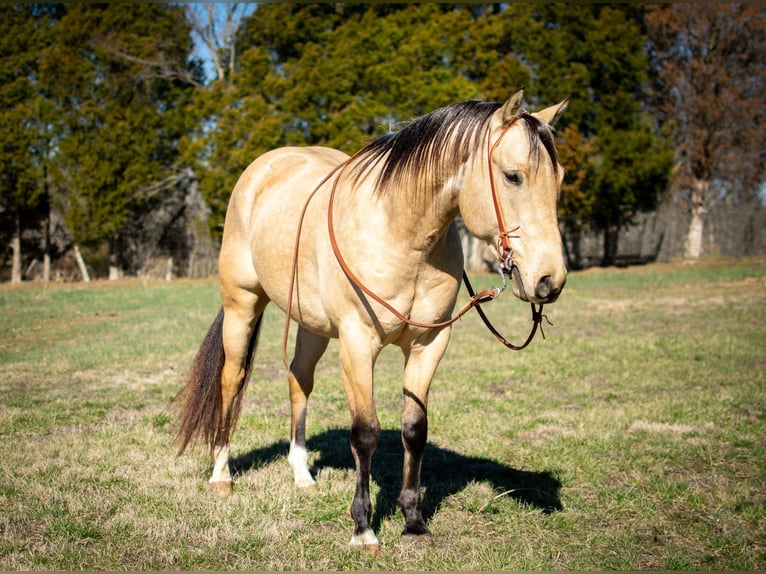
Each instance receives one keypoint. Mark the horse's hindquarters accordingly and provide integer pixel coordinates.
(271, 205)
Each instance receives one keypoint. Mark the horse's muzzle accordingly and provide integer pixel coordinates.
(546, 289)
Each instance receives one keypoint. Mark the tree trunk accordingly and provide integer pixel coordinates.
(694, 236)
(47, 249)
(46, 222)
(46, 267)
(16, 248)
(81, 264)
(572, 239)
(114, 261)
(611, 237)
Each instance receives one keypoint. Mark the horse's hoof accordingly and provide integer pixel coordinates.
(221, 488)
(366, 541)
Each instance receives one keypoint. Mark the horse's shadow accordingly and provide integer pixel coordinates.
(445, 472)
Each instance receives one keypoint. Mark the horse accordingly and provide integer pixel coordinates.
(365, 249)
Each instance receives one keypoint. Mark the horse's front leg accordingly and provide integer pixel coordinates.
(358, 352)
(421, 360)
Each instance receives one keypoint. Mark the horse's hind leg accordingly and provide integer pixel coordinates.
(308, 350)
(242, 313)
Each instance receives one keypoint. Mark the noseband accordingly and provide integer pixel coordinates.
(505, 267)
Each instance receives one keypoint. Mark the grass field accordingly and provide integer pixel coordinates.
(633, 438)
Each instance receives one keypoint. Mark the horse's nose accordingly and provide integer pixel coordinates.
(546, 290)
(543, 288)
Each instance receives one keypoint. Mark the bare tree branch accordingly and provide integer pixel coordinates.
(218, 32)
(159, 68)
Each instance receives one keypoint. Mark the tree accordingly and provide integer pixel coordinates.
(225, 112)
(620, 162)
(216, 25)
(333, 75)
(576, 201)
(120, 77)
(18, 182)
(711, 88)
(24, 122)
(339, 75)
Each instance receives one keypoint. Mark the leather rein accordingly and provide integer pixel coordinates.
(505, 268)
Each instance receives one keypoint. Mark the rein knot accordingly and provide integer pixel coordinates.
(537, 318)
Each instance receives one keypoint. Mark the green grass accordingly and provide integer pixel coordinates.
(634, 437)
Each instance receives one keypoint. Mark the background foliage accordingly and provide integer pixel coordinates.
(106, 109)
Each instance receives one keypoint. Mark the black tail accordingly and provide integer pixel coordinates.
(201, 401)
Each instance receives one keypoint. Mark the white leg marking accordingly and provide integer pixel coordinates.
(299, 461)
(365, 539)
(221, 471)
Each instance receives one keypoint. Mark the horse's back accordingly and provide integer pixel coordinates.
(277, 182)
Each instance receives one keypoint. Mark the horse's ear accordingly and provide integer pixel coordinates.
(512, 106)
(552, 114)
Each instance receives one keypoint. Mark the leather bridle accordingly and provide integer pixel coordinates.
(505, 267)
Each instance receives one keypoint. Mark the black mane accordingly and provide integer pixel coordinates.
(420, 157)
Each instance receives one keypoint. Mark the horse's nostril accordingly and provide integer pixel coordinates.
(544, 287)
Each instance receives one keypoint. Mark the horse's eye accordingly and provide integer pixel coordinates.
(514, 178)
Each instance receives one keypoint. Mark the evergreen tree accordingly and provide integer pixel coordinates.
(24, 123)
(324, 74)
(119, 77)
(338, 75)
(619, 163)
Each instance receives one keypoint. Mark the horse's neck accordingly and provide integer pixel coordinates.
(422, 222)
(407, 219)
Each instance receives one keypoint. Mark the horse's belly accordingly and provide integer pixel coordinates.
(273, 262)
(310, 311)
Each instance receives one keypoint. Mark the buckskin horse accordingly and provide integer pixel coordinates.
(364, 249)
